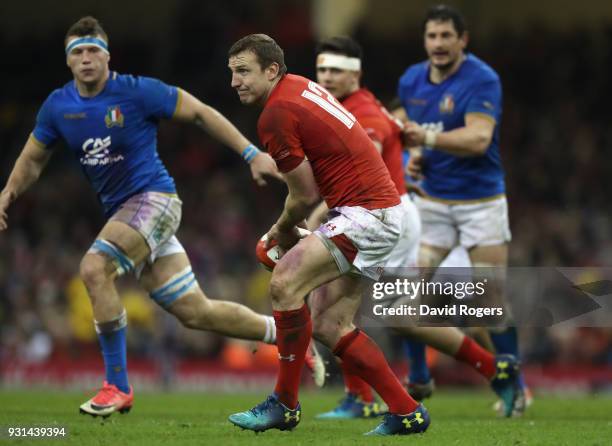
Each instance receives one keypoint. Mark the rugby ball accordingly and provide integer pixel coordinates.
(268, 257)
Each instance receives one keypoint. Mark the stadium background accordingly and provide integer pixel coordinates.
(556, 140)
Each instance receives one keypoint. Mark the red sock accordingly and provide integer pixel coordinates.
(473, 354)
(357, 386)
(362, 357)
(293, 332)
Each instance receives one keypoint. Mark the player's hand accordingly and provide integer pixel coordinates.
(413, 188)
(5, 201)
(414, 168)
(414, 134)
(263, 165)
(285, 239)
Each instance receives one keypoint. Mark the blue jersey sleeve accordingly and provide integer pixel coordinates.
(159, 99)
(402, 86)
(45, 130)
(486, 99)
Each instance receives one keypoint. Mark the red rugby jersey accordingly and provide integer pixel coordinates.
(381, 127)
(303, 120)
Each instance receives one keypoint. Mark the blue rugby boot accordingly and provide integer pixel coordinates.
(415, 422)
(506, 383)
(351, 407)
(271, 414)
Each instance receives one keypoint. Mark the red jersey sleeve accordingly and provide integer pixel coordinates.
(279, 134)
(376, 128)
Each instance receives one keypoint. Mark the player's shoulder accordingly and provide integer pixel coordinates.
(287, 94)
(132, 82)
(362, 103)
(288, 88)
(62, 94)
(478, 71)
(413, 73)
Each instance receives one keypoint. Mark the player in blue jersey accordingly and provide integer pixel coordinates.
(109, 121)
(452, 105)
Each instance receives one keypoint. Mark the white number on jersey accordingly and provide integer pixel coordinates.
(327, 102)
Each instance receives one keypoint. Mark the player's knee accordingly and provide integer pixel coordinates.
(94, 270)
(431, 256)
(327, 330)
(282, 289)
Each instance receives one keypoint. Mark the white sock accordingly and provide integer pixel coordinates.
(270, 336)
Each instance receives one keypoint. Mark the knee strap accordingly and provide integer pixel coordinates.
(175, 287)
(122, 262)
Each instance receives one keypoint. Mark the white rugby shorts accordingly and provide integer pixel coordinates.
(470, 224)
(362, 240)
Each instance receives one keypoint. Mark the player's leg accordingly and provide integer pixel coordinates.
(419, 381)
(438, 236)
(501, 370)
(504, 338)
(306, 266)
(116, 250)
(359, 400)
(142, 223)
(336, 304)
(484, 231)
(171, 283)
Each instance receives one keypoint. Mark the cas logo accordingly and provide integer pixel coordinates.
(97, 152)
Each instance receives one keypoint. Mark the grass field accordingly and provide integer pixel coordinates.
(200, 419)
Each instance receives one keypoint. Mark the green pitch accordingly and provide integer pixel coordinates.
(201, 419)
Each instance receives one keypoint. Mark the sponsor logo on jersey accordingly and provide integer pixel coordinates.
(81, 115)
(447, 104)
(113, 117)
(416, 101)
(97, 152)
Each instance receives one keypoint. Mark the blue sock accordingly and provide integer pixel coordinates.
(506, 342)
(418, 372)
(114, 352)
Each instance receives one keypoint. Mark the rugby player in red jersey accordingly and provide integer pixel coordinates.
(323, 153)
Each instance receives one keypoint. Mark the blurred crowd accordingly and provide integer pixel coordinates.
(556, 142)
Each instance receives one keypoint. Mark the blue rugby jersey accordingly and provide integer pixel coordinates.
(474, 88)
(112, 135)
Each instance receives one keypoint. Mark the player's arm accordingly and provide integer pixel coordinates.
(317, 217)
(28, 167)
(400, 114)
(471, 140)
(219, 127)
(303, 197)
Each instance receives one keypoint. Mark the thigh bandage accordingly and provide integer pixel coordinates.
(175, 287)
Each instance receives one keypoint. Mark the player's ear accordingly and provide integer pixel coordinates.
(272, 71)
(465, 38)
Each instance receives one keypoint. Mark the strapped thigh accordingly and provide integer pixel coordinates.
(174, 288)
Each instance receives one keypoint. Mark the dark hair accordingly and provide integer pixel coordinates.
(86, 26)
(445, 13)
(264, 47)
(340, 45)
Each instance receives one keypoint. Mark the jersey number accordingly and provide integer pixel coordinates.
(327, 102)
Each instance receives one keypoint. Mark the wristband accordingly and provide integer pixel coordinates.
(249, 153)
(430, 138)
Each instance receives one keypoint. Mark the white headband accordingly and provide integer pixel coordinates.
(86, 41)
(327, 60)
